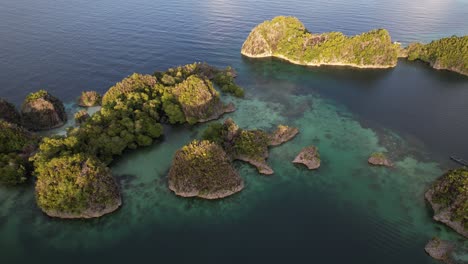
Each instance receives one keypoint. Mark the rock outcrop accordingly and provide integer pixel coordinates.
(310, 157)
(42, 111)
(283, 134)
(89, 99)
(379, 159)
(448, 197)
(444, 54)
(8, 112)
(203, 169)
(287, 38)
(439, 249)
(77, 186)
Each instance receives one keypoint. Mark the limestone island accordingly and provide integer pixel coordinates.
(379, 159)
(439, 249)
(308, 156)
(8, 112)
(43, 111)
(444, 54)
(287, 38)
(203, 169)
(448, 197)
(73, 175)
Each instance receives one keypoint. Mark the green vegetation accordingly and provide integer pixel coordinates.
(74, 184)
(81, 116)
(253, 143)
(378, 155)
(451, 191)
(131, 116)
(287, 37)
(203, 169)
(8, 112)
(36, 95)
(446, 53)
(15, 146)
(227, 84)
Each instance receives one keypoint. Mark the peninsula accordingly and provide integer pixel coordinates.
(287, 38)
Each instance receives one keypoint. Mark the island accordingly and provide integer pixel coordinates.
(43, 111)
(202, 169)
(308, 156)
(444, 54)
(73, 175)
(8, 112)
(287, 38)
(448, 197)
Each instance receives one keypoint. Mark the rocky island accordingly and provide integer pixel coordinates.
(448, 197)
(43, 111)
(8, 112)
(203, 169)
(379, 159)
(444, 54)
(308, 156)
(89, 99)
(287, 38)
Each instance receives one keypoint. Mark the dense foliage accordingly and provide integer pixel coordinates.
(73, 184)
(15, 146)
(287, 37)
(451, 190)
(131, 116)
(446, 53)
(8, 112)
(81, 116)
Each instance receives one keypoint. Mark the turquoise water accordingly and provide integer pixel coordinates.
(345, 212)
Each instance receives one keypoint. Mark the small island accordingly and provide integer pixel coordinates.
(89, 99)
(448, 197)
(379, 159)
(308, 156)
(444, 54)
(203, 169)
(287, 38)
(43, 111)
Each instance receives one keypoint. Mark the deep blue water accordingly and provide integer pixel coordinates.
(345, 213)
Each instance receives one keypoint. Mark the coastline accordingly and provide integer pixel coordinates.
(320, 64)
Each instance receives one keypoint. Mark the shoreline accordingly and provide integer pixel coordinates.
(320, 64)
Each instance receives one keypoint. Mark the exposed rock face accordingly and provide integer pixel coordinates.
(200, 102)
(444, 54)
(449, 200)
(283, 134)
(81, 117)
(439, 249)
(89, 99)
(77, 186)
(287, 38)
(42, 111)
(8, 112)
(379, 159)
(202, 169)
(308, 156)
